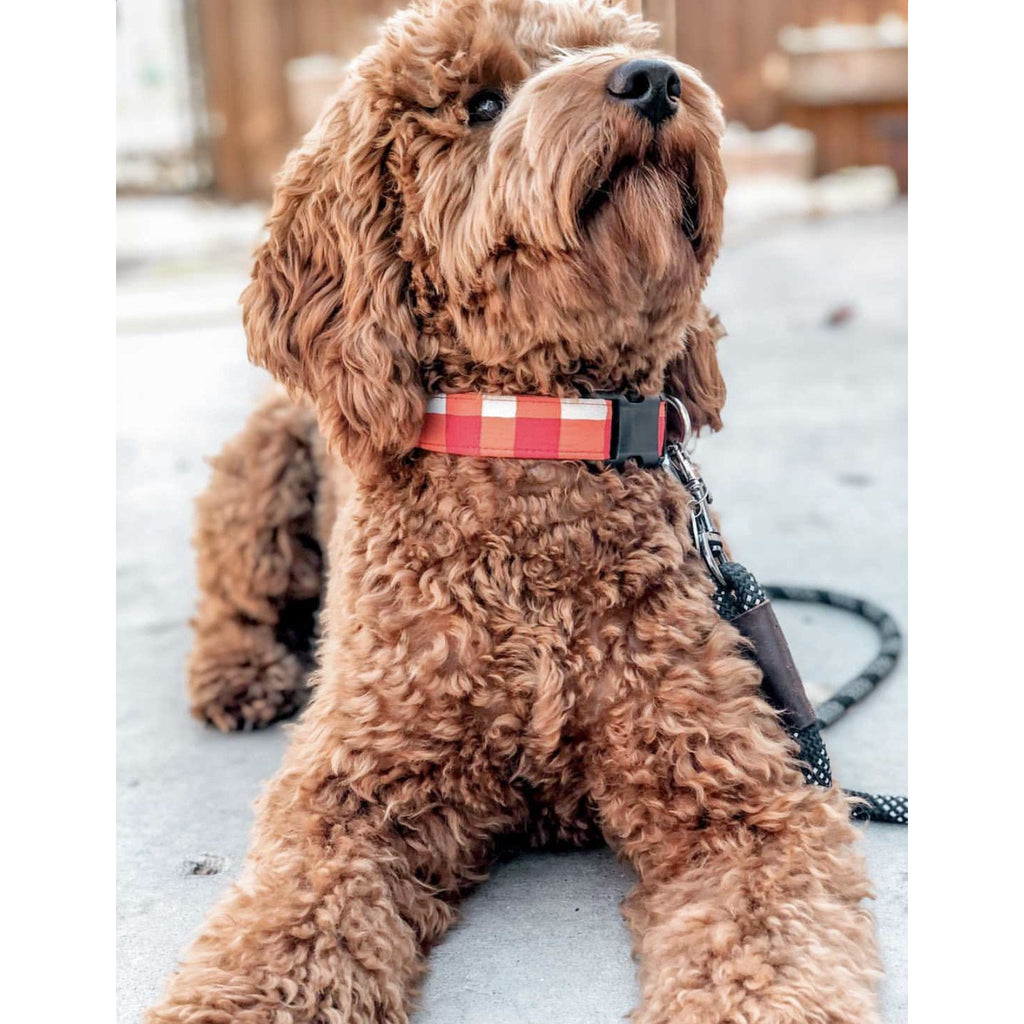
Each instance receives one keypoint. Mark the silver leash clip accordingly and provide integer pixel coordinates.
(676, 461)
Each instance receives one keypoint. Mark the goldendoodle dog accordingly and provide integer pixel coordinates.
(507, 198)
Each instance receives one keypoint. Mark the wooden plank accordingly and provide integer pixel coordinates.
(761, 106)
(692, 33)
(230, 178)
(314, 31)
(265, 124)
(852, 135)
(727, 54)
(663, 14)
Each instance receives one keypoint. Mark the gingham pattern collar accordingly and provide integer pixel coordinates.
(607, 428)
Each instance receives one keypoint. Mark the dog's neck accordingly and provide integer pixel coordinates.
(548, 372)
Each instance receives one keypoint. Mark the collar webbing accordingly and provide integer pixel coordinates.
(610, 428)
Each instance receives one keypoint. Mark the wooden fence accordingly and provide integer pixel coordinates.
(247, 44)
(246, 47)
(732, 43)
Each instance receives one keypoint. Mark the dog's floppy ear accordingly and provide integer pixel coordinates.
(327, 311)
(693, 375)
(705, 201)
(705, 214)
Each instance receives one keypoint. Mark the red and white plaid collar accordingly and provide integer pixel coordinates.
(612, 428)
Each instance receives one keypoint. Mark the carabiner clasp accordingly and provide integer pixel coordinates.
(706, 537)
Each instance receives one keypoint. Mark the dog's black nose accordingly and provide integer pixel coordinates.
(651, 87)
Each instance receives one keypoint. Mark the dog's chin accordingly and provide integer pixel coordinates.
(629, 174)
(599, 197)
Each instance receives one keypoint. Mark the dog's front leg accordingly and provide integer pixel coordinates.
(748, 905)
(355, 856)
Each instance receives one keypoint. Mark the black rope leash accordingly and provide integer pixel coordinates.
(741, 593)
(740, 599)
(894, 810)
(890, 645)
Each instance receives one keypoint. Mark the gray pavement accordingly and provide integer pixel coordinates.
(809, 476)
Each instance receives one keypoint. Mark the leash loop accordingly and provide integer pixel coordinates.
(740, 599)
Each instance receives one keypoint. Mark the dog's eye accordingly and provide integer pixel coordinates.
(486, 106)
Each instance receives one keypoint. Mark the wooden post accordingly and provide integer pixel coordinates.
(663, 14)
(222, 100)
(265, 123)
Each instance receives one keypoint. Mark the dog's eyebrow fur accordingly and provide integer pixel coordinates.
(434, 52)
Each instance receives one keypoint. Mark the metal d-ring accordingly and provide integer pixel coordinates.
(686, 435)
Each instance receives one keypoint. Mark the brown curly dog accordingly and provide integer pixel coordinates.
(510, 647)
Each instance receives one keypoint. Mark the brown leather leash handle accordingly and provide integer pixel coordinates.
(781, 680)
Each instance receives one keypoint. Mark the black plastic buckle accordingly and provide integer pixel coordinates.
(636, 430)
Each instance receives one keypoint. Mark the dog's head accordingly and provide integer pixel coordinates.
(513, 195)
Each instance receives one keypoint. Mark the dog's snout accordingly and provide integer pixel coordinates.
(651, 87)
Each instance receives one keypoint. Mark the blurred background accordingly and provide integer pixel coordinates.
(809, 474)
(213, 93)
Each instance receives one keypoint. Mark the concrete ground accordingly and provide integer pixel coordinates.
(809, 476)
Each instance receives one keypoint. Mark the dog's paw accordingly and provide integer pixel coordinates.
(241, 679)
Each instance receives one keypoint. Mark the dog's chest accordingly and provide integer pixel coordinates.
(547, 545)
(505, 609)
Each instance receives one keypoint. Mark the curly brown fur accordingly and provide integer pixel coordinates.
(261, 528)
(510, 647)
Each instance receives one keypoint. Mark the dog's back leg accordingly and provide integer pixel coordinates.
(259, 541)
